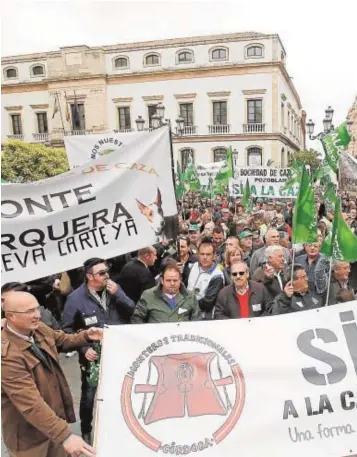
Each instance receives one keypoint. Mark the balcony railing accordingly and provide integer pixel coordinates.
(123, 130)
(78, 132)
(254, 128)
(219, 129)
(15, 137)
(41, 137)
(58, 134)
(189, 130)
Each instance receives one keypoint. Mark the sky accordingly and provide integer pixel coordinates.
(320, 38)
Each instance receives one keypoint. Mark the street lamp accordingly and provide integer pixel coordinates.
(327, 123)
(160, 110)
(155, 121)
(139, 124)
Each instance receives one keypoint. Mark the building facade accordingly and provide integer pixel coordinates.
(231, 90)
(352, 117)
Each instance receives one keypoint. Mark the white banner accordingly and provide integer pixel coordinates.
(264, 182)
(272, 386)
(115, 204)
(208, 170)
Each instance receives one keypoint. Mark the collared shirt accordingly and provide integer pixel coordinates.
(101, 299)
(29, 339)
(242, 292)
(277, 275)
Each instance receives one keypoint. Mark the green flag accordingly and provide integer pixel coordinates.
(304, 218)
(342, 244)
(191, 176)
(333, 143)
(247, 202)
(226, 171)
(330, 194)
(296, 170)
(180, 185)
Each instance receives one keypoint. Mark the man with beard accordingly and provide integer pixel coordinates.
(97, 302)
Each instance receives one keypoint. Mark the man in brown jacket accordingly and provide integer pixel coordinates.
(242, 298)
(36, 400)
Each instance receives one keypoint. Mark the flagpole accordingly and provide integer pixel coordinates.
(60, 111)
(329, 282)
(292, 264)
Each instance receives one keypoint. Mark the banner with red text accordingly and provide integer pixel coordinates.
(117, 203)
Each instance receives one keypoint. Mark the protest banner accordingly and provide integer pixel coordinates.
(348, 174)
(208, 170)
(210, 389)
(263, 182)
(112, 205)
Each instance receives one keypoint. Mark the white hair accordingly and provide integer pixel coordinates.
(269, 251)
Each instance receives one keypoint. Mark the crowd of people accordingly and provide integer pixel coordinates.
(225, 264)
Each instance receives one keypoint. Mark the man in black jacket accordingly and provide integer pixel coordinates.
(242, 298)
(296, 295)
(136, 277)
(97, 302)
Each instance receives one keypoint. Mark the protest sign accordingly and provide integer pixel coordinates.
(209, 389)
(263, 182)
(208, 170)
(112, 205)
(348, 174)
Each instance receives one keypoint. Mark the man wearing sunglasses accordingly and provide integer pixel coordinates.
(97, 302)
(242, 298)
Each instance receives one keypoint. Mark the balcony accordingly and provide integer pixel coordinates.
(219, 129)
(41, 137)
(15, 137)
(78, 132)
(58, 134)
(254, 128)
(123, 130)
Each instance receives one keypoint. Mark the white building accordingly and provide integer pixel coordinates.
(232, 90)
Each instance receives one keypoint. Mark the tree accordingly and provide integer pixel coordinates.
(311, 157)
(25, 162)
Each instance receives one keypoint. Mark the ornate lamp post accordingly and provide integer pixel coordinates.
(327, 123)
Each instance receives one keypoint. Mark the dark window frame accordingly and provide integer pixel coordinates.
(186, 53)
(254, 48)
(254, 113)
(82, 117)
(219, 50)
(124, 117)
(220, 116)
(42, 122)
(219, 154)
(152, 109)
(121, 59)
(153, 57)
(11, 69)
(38, 74)
(186, 112)
(16, 123)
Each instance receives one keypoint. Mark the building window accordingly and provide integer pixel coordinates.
(219, 113)
(38, 70)
(151, 112)
(152, 59)
(187, 156)
(10, 73)
(219, 54)
(185, 57)
(121, 62)
(254, 51)
(186, 112)
(254, 157)
(219, 154)
(282, 114)
(42, 126)
(124, 118)
(16, 124)
(255, 111)
(78, 117)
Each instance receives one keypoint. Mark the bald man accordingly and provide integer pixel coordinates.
(36, 400)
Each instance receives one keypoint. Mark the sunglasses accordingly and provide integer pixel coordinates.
(101, 273)
(238, 273)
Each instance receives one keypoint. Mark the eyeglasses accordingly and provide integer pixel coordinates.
(101, 273)
(238, 273)
(29, 312)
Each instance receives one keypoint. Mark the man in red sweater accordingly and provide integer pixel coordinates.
(242, 298)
